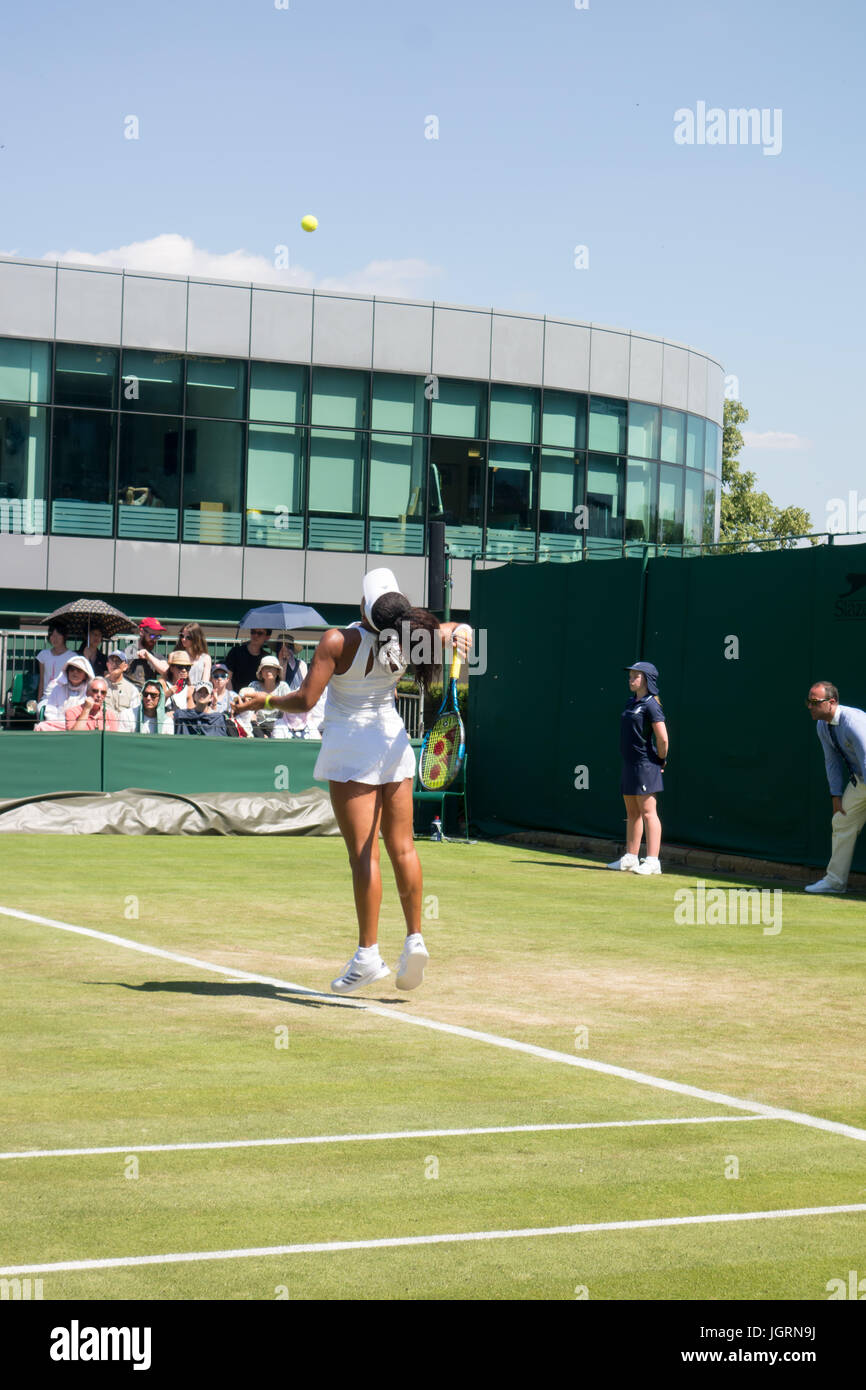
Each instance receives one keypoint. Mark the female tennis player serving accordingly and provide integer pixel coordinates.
(367, 758)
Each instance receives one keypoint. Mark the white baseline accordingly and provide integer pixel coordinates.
(492, 1039)
(389, 1242)
(357, 1138)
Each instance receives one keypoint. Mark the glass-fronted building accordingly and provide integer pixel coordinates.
(179, 437)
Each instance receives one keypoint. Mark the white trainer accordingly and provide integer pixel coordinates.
(413, 958)
(359, 973)
(825, 885)
(628, 861)
(647, 866)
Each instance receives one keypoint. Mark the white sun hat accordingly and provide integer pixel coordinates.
(376, 584)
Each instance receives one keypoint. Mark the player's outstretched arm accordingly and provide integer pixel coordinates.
(322, 667)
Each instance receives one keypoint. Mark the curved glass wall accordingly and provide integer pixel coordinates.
(167, 446)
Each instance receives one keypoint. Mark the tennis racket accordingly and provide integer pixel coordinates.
(444, 746)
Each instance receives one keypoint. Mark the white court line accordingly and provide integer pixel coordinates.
(356, 1138)
(325, 1247)
(492, 1039)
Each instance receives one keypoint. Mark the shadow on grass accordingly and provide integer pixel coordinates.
(250, 990)
(731, 877)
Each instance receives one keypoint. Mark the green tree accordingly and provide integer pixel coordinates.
(749, 517)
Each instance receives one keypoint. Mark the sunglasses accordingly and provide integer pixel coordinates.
(150, 695)
(258, 632)
(810, 703)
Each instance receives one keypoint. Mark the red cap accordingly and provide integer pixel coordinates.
(152, 625)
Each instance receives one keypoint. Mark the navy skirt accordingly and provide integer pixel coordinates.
(641, 779)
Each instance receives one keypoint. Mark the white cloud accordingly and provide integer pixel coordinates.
(774, 439)
(172, 254)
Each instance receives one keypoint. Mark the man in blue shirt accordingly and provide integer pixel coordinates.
(842, 735)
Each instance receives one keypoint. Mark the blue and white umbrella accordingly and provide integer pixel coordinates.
(282, 617)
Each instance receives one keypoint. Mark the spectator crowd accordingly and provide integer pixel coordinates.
(135, 690)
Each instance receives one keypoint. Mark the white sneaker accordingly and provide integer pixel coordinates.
(628, 861)
(825, 885)
(359, 973)
(647, 866)
(413, 958)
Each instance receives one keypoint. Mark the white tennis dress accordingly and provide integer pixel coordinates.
(363, 737)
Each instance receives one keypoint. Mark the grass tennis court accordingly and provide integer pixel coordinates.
(110, 1048)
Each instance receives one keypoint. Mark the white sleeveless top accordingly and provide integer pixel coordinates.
(363, 737)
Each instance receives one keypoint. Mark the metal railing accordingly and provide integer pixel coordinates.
(410, 707)
(626, 549)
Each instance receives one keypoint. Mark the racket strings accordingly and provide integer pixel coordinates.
(442, 752)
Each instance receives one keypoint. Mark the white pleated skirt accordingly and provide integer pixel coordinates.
(373, 748)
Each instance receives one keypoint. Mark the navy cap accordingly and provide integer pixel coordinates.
(651, 673)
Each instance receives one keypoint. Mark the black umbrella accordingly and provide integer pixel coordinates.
(86, 613)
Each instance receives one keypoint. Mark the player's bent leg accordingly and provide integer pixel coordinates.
(358, 809)
(400, 844)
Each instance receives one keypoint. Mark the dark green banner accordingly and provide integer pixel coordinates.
(35, 764)
(738, 640)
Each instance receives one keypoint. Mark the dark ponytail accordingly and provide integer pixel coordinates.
(415, 629)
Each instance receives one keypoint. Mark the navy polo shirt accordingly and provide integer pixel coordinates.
(638, 718)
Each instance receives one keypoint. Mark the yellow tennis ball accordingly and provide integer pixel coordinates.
(309, 223)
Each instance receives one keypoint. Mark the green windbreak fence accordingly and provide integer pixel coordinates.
(738, 640)
(38, 764)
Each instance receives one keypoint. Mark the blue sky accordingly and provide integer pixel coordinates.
(556, 129)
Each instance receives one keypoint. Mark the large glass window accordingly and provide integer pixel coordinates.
(695, 442)
(673, 436)
(640, 516)
(693, 509)
(713, 463)
(340, 397)
(278, 392)
(213, 456)
(83, 473)
(643, 430)
(399, 403)
(216, 388)
(605, 500)
(275, 486)
(511, 497)
(85, 376)
(712, 504)
(152, 381)
(459, 408)
(457, 491)
(24, 370)
(607, 424)
(397, 494)
(337, 490)
(514, 413)
(563, 424)
(563, 512)
(148, 488)
(670, 506)
(23, 463)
